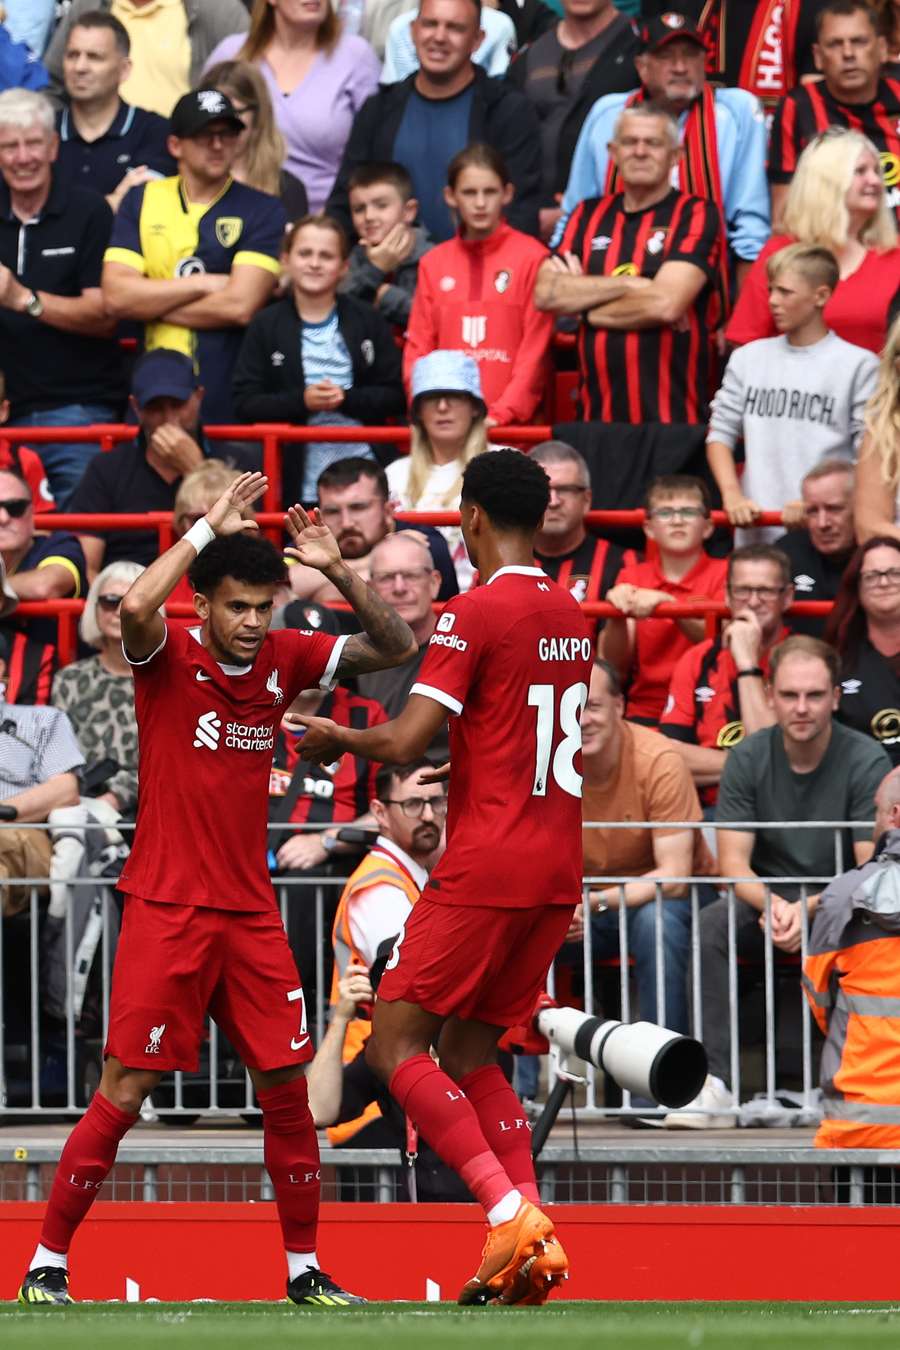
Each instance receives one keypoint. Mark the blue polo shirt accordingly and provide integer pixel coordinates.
(54, 550)
(135, 136)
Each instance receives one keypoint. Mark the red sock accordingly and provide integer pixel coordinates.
(448, 1122)
(85, 1162)
(291, 1153)
(504, 1125)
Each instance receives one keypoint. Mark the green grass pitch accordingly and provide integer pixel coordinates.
(429, 1326)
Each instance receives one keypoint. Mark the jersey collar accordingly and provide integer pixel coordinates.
(226, 669)
(399, 855)
(513, 571)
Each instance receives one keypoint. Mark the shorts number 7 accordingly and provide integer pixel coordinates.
(571, 706)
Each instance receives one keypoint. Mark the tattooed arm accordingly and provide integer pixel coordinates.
(388, 640)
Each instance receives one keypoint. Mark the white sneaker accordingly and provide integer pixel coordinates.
(705, 1112)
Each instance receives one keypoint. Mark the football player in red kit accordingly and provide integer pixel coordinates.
(510, 662)
(201, 930)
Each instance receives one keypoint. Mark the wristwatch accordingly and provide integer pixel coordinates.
(34, 305)
(329, 842)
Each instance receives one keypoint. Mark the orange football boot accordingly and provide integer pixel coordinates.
(507, 1248)
(537, 1277)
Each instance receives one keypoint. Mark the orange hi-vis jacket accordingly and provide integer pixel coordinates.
(851, 977)
(378, 868)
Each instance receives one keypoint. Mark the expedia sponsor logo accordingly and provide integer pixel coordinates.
(885, 726)
(449, 640)
(243, 736)
(890, 168)
(625, 270)
(731, 734)
(564, 649)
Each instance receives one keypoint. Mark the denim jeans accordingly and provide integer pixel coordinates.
(676, 936)
(66, 462)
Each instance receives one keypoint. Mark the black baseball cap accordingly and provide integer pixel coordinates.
(163, 374)
(668, 27)
(196, 110)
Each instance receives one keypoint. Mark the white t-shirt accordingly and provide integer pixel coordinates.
(439, 483)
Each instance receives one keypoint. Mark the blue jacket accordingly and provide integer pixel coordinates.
(741, 132)
(19, 67)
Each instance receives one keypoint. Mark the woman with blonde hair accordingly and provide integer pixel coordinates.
(836, 200)
(97, 694)
(876, 496)
(318, 78)
(261, 148)
(447, 430)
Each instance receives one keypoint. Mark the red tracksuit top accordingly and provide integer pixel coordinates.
(477, 297)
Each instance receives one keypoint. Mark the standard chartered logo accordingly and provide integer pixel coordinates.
(207, 731)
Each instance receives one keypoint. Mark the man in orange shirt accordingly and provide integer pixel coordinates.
(634, 774)
(678, 570)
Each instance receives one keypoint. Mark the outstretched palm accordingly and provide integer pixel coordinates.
(312, 543)
(227, 516)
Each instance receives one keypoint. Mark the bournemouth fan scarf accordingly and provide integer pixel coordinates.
(752, 45)
(698, 168)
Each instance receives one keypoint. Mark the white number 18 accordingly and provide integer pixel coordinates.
(571, 706)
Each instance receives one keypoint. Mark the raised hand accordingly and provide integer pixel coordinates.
(312, 543)
(227, 516)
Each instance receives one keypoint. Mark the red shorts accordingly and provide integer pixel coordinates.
(175, 963)
(470, 961)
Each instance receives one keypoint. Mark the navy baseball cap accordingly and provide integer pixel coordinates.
(668, 27)
(163, 374)
(196, 110)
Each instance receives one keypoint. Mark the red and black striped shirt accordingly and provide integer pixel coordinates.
(647, 374)
(810, 108)
(588, 571)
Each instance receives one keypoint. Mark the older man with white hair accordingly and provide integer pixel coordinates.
(59, 356)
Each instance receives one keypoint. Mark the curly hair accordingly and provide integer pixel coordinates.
(512, 490)
(244, 557)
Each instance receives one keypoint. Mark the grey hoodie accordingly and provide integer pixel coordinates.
(364, 278)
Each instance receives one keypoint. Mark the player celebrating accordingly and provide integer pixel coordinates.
(201, 930)
(511, 661)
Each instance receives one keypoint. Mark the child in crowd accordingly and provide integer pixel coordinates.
(678, 523)
(384, 264)
(447, 430)
(794, 399)
(318, 358)
(476, 291)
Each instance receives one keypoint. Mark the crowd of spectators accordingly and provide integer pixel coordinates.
(378, 212)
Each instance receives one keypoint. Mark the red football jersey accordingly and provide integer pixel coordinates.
(206, 737)
(512, 661)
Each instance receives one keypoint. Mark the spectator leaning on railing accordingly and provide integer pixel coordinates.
(61, 363)
(195, 256)
(865, 629)
(97, 693)
(38, 566)
(717, 694)
(790, 399)
(852, 980)
(821, 546)
(106, 144)
(645, 649)
(805, 767)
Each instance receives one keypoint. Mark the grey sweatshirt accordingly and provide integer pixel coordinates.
(792, 406)
(364, 278)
